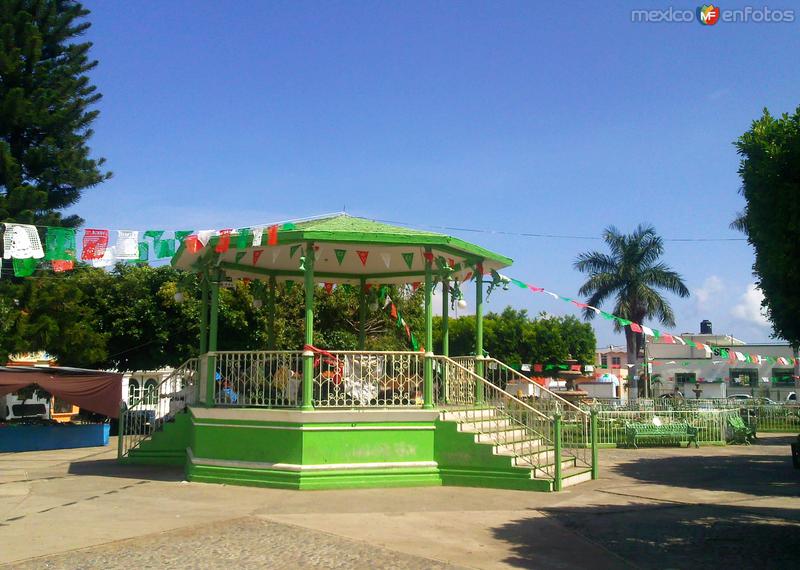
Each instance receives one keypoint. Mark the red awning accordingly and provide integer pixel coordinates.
(93, 390)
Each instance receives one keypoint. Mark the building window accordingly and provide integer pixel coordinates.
(744, 377)
(685, 378)
(603, 361)
(151, 392)
(616, 362)
(133, 391)
(783, 376)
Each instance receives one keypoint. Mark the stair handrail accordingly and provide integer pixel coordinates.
(560, 399)
(555, 419)
(127, 440)
(494, 387)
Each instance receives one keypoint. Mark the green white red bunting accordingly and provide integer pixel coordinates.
(732, 355)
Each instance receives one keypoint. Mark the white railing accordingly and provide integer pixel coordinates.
(345, 378)
(148, 413)
(267, 378)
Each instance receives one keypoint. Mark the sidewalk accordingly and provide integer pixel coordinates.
(653, 508)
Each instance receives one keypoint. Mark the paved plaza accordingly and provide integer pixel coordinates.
(651, 508)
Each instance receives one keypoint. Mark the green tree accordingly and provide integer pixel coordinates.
(632, 275)
(770, 172)
(46, 101)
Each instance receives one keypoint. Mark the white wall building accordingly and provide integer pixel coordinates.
(683, 368)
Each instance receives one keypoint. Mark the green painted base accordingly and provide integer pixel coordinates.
(292, 449)
(339, 479)
(167, 446)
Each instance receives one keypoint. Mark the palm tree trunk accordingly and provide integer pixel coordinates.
(633, 350)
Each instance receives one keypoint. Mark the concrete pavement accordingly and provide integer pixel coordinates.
(652, 508)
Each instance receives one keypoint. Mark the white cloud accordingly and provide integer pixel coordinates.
(749, 307)
(707, 293)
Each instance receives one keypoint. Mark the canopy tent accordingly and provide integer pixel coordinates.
(346, 250)
(93, 390)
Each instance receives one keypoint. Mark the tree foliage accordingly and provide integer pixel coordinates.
(129, 319)
(632, 275)
(770, 173)
(515, 338)
(46, 101)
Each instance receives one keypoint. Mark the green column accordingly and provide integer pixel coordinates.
(557, 451)
(595, 466)
(211, 371)
(445, 334)
(203, 314)
(308, 356)
(427, 391)
(362, 314)
(271, 313)
(479, 333)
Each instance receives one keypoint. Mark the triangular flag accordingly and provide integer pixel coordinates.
(340, 253)
(289, 284)
(328, 287)
(258, 235)
(224, 241)
(409, 259)
(415, 285)
(393, 311)
(243, 236)
(387, 258)
(240, 255)
(256, 254)
(607, 316)
(636, 328)
(363, 255)
(181, 235)
(192, 244)
(647, 330)
(519, 283)
(468, 276)
(428, 255)
(292, 250)
(204, 235)
(166, 248)
(272, 235)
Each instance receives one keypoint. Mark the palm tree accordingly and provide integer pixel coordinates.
(632, 274)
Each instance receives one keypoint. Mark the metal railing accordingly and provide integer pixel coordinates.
(148, 413)
(538, 440)
(712, 425)
(267, 378)
(384, 379)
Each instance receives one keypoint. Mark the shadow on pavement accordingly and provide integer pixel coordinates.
(659, 535)
(110, 468)
(759, 475)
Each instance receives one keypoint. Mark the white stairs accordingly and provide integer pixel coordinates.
(525, 448)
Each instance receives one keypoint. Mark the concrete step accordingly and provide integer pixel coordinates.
(499, 437)
(470, 415)
(525, 446)
(486, 425)
(543, 466)
(575, 476)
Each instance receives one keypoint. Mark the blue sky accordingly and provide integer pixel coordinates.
(514, 116)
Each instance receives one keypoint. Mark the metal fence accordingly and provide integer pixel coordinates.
(270, 379)
(712, 425)
(148, 413)
(377, 379)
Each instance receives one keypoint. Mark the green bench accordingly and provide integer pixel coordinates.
(666, 433)
(742, 433)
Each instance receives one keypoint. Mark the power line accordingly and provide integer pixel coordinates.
(537, 235)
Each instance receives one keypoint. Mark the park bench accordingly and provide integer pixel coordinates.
(742, 433)
(664, 433)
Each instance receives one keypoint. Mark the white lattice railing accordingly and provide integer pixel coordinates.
(157, 405)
